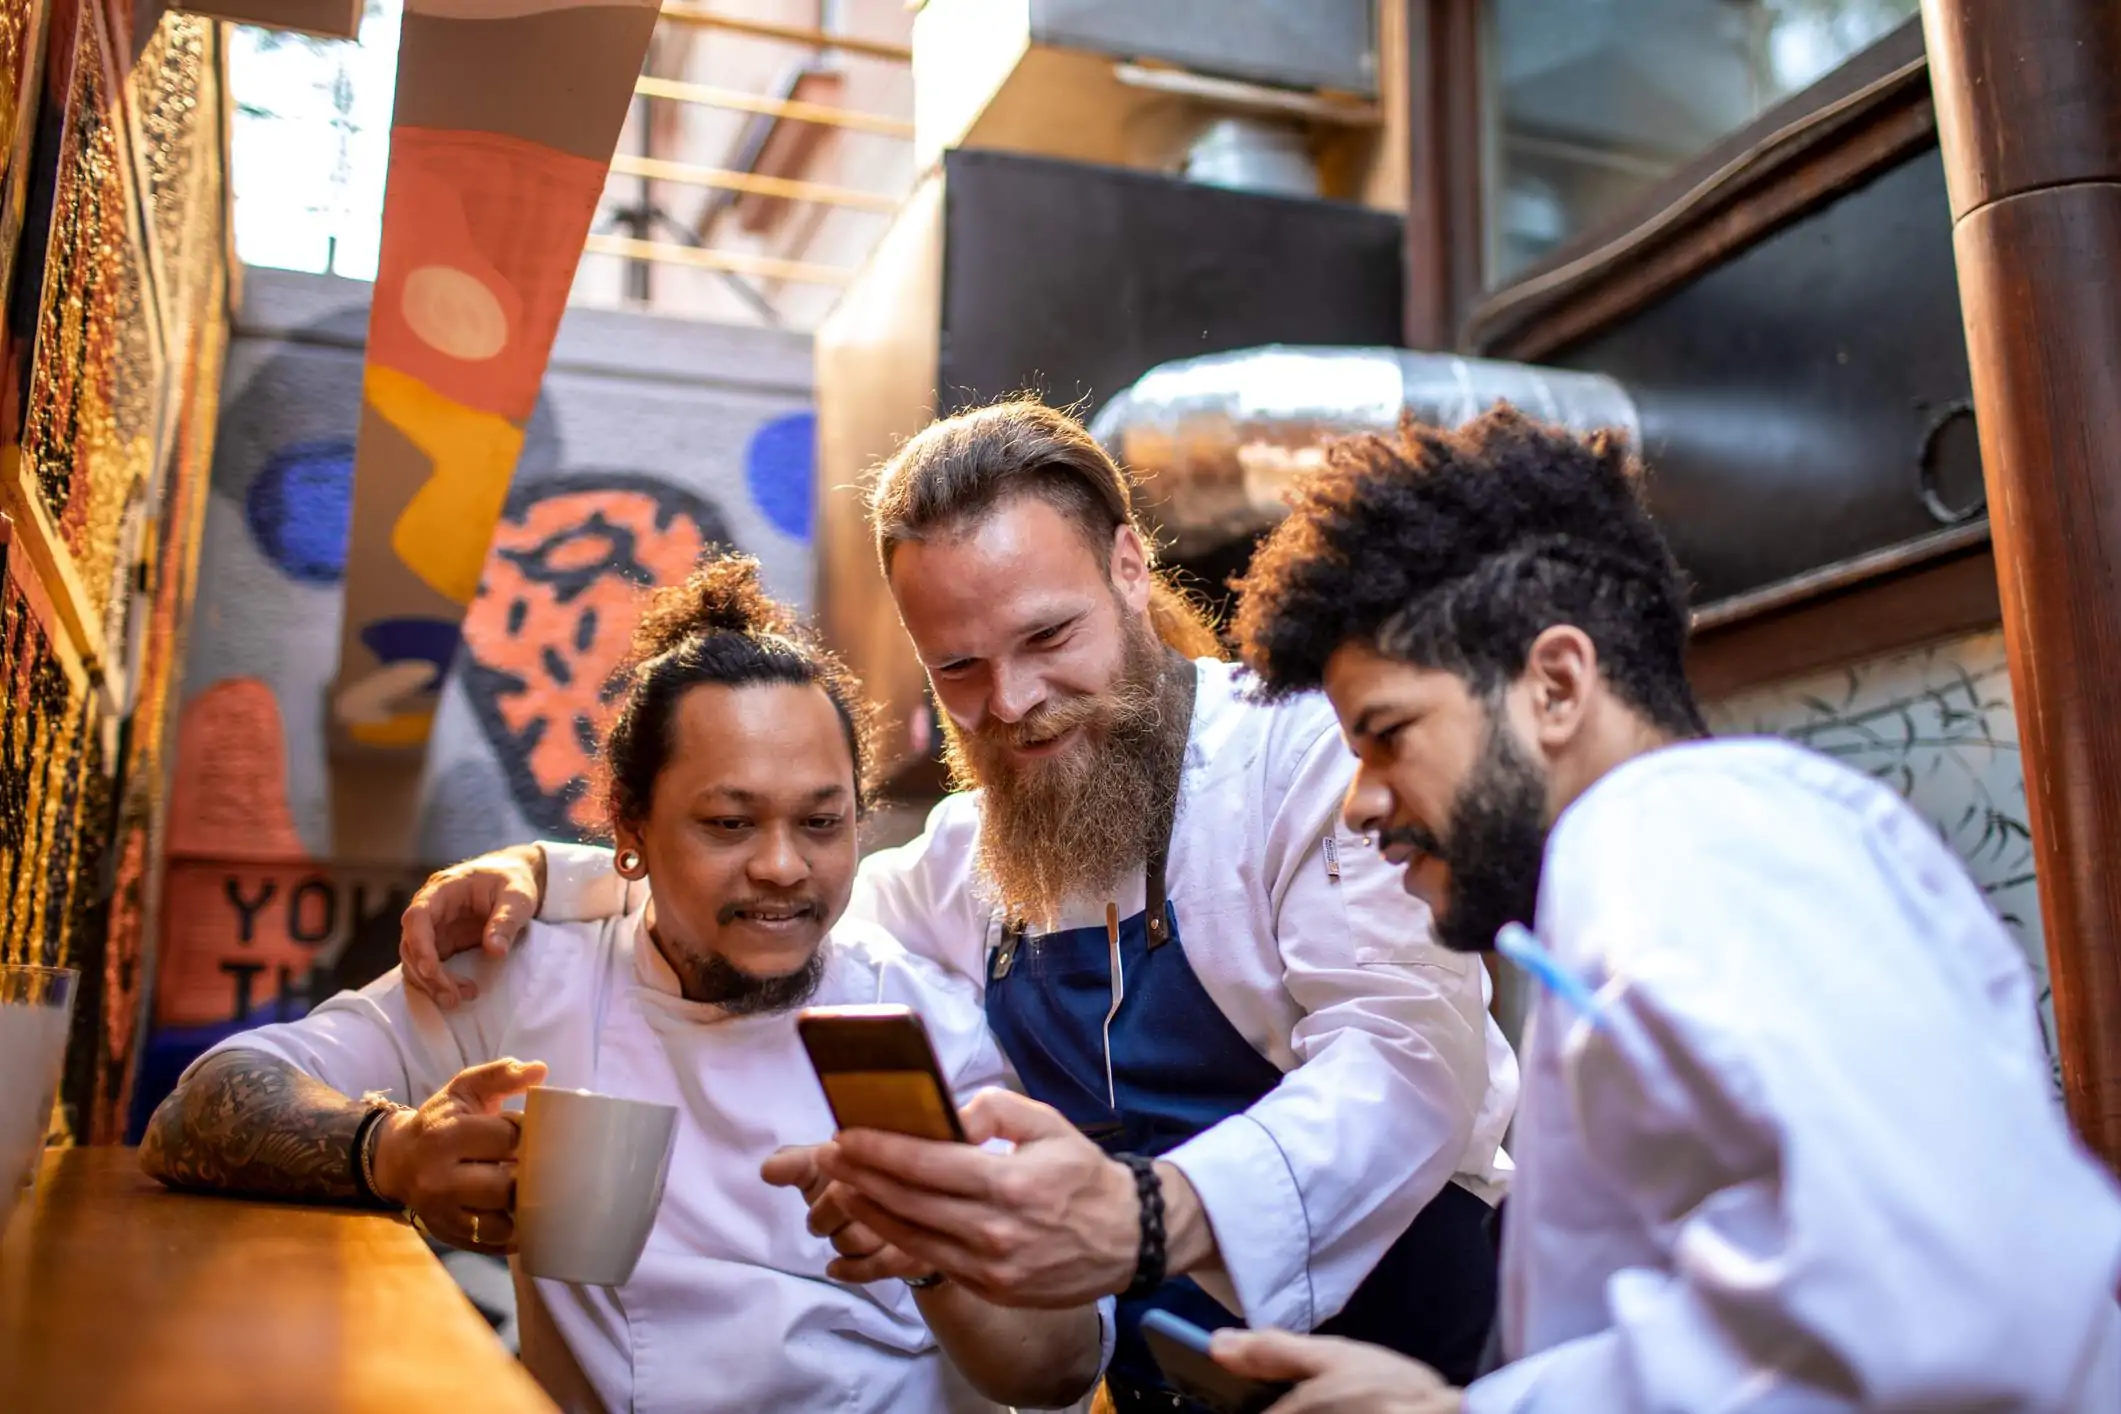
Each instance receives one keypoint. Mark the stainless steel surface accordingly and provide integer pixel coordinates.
(1295, 43)
(1217, 440)
(1254, 154)
(1327, 109)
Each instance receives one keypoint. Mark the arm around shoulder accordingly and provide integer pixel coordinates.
(921, 892)
(578, 883)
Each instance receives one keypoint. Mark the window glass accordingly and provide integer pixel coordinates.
(1592, 101)
(311, 144)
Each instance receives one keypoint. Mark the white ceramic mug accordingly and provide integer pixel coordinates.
(589, 1179)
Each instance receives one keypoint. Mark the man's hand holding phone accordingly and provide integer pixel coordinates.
(1052, 1223)
(864, 1257)
(878, 1069)
(1333, 1376)
(882, 1082)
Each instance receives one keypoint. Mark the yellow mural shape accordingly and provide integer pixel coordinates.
(443, 532)
(404, 729)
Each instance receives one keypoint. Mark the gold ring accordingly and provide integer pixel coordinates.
(474, 1229)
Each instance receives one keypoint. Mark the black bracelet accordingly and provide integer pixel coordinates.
(1149, 1265)
(363, 1180)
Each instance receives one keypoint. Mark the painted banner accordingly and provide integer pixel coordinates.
(506, 115)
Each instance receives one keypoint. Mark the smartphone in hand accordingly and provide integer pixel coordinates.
(1181, 1351)
(879, 1070)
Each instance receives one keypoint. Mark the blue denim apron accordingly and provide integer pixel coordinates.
(1179, 1067)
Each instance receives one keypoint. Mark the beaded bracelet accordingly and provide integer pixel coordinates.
(1149, 1266)
(367, 1135)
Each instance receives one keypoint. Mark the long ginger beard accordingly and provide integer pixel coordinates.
(1072, 826)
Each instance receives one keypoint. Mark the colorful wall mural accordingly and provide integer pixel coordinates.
(54, 783)
(112, 212)
(553, 617)
(506, 115)
(93, 390)
(650, 440)
(23, 27)
(1936, 724)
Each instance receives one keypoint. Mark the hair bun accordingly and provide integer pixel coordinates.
(723, 595)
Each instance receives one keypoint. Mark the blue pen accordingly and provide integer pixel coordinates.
(1515, 942)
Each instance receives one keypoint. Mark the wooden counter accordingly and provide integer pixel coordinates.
(117, 1296)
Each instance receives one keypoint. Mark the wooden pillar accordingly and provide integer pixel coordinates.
(1444, 66)
(2029, 114)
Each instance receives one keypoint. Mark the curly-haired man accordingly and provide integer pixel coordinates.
(1787, 1138)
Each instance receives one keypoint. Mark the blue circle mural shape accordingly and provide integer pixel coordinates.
(300, 506)
(780, 468)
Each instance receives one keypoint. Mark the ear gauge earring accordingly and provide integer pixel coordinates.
(629, 861)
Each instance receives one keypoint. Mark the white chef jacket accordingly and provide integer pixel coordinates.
(1396, 1079)
(730, 1307)
(1804, 1155)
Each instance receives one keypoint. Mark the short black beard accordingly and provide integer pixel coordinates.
(717, 981)
(1496, 846)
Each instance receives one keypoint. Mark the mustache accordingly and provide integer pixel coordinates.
(801, 904)
(1041, 723)
(1414, 835)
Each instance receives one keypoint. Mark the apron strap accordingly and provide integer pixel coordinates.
(1155, 893)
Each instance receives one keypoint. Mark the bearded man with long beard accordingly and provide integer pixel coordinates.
(1268, 1095)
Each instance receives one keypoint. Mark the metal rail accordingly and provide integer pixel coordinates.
(794, 111)
(660, 170)
(727, 261)
(794, 34)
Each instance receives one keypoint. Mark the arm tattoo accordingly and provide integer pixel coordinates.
(245, 1122)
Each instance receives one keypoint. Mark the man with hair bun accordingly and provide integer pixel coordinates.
(1788, 1140)
(736, 765)
(1254, 1086)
